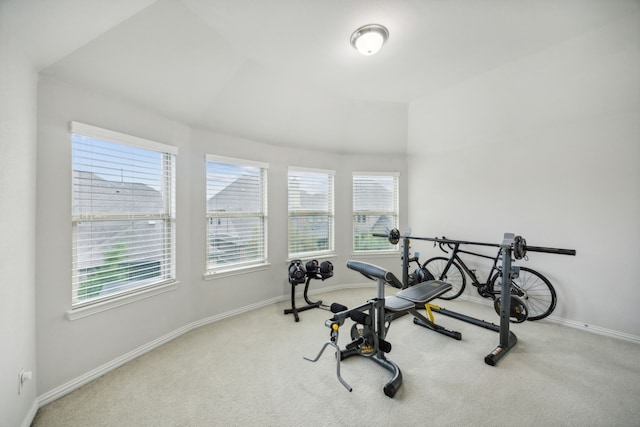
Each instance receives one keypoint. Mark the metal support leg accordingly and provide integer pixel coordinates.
(310, 304)
(334, 345)
(405, 262)
(508, 339)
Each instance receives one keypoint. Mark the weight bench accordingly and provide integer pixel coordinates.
(417, 296)
(373, 319)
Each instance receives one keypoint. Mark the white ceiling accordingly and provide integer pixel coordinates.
(283, 71)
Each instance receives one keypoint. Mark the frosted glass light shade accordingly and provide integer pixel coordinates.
(369, 39)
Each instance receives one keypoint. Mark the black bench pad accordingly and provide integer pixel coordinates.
(419, 294)
(425, 291)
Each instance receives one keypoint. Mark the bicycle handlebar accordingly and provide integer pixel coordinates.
(444, 242)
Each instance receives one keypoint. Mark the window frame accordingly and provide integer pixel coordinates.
(142, 287)
(262, 214)
(329, 213)
(359, 216)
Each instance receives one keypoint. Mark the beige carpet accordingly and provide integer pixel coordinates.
(249, 370)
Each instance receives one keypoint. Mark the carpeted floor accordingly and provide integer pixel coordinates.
(249, 370)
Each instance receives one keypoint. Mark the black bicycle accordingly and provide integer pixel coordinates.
(529, 285)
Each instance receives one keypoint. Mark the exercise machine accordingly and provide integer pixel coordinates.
(373, 319)
(509, 305)
(303, 273)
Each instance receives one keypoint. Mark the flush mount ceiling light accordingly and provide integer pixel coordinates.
(368, 39)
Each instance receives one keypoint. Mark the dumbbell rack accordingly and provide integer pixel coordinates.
(303, 273)
(310, 304)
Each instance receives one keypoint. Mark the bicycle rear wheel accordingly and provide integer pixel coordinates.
(534, 288)
(454, 276)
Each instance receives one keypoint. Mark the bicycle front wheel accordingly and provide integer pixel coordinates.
(454, 275)
(534, 288)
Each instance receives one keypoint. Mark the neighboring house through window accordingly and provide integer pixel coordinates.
(236, 213)
(123, 214)
(375, 210)
(311, 212)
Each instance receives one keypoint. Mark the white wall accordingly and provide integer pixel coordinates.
(17, 230)
(547, 147)
(67, 349)
(562, 126)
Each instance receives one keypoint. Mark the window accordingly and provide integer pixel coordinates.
(375, 210)
(310, 212)
(236, 213)
(123, 214)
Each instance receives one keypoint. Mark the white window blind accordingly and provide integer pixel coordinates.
(123, 214)
(375, 210)
(236, 213)
(311, 213)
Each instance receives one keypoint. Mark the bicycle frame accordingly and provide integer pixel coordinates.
(482, 287)
(407, 260)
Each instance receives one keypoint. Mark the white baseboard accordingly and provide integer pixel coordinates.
(28, 419)
(565, 322)
(594, 329)
(78, 382)
(86, 378)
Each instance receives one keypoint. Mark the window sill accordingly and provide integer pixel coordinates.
(319, 258)
(98, 307)
(365, 254)
(313, 255)
(217, 274)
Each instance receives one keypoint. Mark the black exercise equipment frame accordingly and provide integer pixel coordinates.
(299, 273)
(310, 304)
(511, 246)
(375, 319)
(372, 316)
